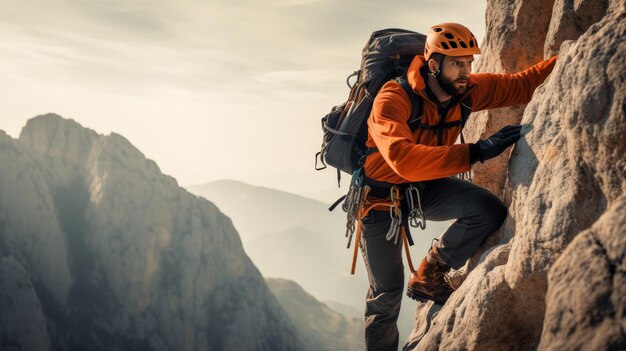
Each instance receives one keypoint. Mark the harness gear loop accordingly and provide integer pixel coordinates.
(402, 228)
(397, 228)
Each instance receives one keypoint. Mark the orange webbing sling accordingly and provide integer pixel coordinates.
(362, 213)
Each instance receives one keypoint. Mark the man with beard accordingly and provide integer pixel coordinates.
(410, 171)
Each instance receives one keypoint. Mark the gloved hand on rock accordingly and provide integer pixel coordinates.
(495, 144)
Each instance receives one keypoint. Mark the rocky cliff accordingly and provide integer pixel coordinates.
(553, 277)
(322, 328)
(100, 250)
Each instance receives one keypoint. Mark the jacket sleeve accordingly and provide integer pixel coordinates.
(502, 90)
(390, 132)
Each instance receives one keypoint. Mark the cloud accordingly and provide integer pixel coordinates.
(303, 79)
(143, 68)
(296, 2)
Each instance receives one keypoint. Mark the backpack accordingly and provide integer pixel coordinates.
(386, 56)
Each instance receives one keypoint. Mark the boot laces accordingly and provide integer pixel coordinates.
(444, 274)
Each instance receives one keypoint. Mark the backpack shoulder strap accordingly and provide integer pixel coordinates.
(417, 107)
(466, 109)
(416, 110)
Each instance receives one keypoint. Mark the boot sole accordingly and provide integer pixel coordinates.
(417, 296)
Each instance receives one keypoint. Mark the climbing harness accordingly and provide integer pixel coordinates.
(358, 207)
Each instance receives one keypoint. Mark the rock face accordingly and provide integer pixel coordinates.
(321, 327)
(22, 321)
(598, 291)
(516, 33)
(119, 256)
(554, 279)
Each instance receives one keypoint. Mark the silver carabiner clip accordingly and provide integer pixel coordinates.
(416, 217)
(395, 213)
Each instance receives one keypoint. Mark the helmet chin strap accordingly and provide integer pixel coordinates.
(435, 74)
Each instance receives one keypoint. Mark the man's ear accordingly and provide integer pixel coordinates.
(433, 65)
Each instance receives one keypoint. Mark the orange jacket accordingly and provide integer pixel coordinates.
(401, 159)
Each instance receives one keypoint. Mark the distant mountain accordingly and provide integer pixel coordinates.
(101, 251)
(269, 210)
(297, 238)
(322, 328)
(314, 260)
(293, 237)
(346, 310)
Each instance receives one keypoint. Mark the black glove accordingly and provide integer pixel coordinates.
(492, 147)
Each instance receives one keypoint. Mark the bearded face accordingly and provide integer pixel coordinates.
(454, 74)
(453, 85)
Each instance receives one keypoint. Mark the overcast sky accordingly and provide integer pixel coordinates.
(208, 89)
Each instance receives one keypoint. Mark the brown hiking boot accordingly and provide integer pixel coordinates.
(429, 283)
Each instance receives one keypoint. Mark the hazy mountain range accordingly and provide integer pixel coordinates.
(101, 251)
(322, 327)
(291, 236)
(294, 237)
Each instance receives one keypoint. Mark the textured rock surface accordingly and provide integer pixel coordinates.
(515, 35)
(120, 256)
(30, 230)
(598, 290)
(570, 19)
(556, 280)
(22, 322)
(321, 327)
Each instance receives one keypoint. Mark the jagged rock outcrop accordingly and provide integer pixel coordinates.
(321, 327)
(598, 291)
(519, 34)
(555, 278)
(516, 33)
(119, 256)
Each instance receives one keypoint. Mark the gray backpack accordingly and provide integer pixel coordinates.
(386, 56)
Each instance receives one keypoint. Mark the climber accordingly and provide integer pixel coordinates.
(426, 159)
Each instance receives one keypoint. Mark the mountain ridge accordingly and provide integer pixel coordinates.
(119, 256)
(316, 258)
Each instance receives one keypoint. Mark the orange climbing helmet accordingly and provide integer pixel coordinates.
(450, 39)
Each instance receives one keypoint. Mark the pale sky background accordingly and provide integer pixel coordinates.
(207, 89)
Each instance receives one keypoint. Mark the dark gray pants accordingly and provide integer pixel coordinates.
(478, 213)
